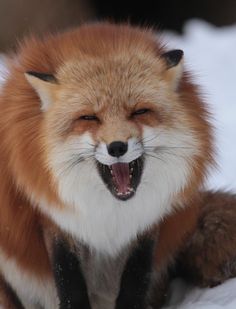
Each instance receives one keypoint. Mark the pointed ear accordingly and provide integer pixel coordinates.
(44, 84)
(173, 66)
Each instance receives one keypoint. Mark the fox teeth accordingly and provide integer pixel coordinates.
(125, 193)
(120, 193)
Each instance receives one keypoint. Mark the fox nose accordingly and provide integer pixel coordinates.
(117, 149)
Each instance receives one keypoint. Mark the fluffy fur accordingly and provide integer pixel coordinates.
(48, 154)
(209, 256)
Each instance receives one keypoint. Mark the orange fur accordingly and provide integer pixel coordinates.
(174, 231)
(24, 174)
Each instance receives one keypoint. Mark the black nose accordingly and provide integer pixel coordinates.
(117, 149)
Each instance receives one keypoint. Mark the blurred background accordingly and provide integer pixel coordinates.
(19, 17)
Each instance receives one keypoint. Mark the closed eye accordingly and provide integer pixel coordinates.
(89, 118)
(140, 112)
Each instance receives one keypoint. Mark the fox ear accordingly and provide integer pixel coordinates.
(43, 84)
(173, 66)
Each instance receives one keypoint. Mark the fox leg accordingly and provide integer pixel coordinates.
(136, 279)
(70, 282)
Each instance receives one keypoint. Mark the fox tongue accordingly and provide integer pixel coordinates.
(120, 172)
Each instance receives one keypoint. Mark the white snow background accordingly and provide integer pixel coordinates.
(210, 53)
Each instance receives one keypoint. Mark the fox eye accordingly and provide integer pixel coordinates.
(140, 111)
(89, 118)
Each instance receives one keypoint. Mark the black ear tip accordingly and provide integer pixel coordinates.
(173, 57)
(43, 76)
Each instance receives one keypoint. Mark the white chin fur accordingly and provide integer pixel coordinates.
(93, 215)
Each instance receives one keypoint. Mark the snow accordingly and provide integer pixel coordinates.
(210, 54)
(3, 69)
(184, 296)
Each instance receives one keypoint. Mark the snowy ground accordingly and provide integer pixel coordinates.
(210, 53)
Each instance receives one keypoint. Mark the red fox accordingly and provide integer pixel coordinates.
(102, 136)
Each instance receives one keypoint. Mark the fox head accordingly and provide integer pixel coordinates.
(123, 134)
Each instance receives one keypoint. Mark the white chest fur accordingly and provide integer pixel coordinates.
(103, 222)
(94, 216)
(103, 275)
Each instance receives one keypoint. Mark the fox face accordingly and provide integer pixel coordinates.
(125, 137)
(111, 116)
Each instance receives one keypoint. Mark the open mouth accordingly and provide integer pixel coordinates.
(122, 179)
